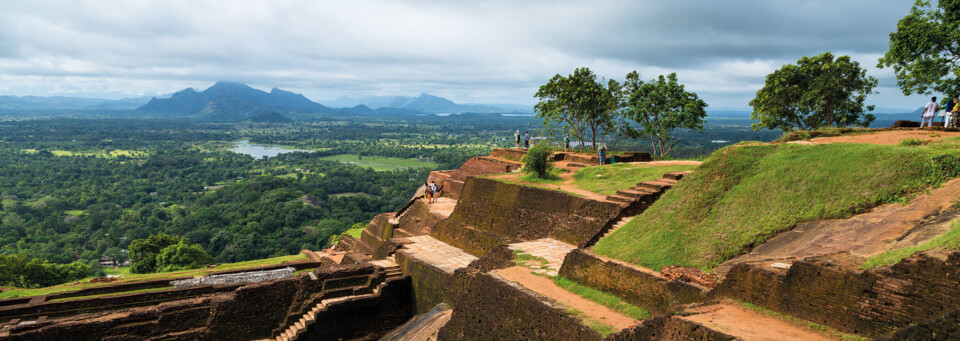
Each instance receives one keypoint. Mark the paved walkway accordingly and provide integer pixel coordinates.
(443, 206)
(437, 253)
(554, 251)
(735, 320)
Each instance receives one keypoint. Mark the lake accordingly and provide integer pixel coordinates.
(258, 151)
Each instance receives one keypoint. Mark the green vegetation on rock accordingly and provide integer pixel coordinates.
(947, 241)
(744, 195)
(537, 161)
(607, 180)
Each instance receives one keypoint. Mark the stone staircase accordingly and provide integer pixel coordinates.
(634, 201)
(648, 191)
(617, 225)
(308, 318)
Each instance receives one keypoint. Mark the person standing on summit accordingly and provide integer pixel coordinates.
(516, 135)
(929, 112)
(526, 139)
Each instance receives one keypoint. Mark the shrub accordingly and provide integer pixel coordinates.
(913, 142)
(182, 256)
(537, 161)
(162, 252)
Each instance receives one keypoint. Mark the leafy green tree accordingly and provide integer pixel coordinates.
(579, 102)
(537, 160)
(182, 256)
(925, 49)
(816, 92)
(144, 252)
(661, 106)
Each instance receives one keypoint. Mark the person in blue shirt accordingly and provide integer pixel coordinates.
(566, 142)
(526, 139)
(603, 153)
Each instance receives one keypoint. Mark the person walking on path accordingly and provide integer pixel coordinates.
(929, 112)
(516, 136)
(947, 118)
(433, 191)
(566, 142)
(603, 153)
(427, 192)
(526, 140)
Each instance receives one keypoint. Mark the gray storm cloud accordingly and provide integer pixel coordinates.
(497, 51)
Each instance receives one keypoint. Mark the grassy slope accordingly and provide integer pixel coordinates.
(607, 180)
(129, 277)
(742, 196)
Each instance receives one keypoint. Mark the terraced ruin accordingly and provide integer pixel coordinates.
(500, 258)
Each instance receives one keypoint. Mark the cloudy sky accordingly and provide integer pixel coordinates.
(468, 51)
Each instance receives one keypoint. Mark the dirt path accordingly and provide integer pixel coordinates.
(883, 137)
(746, 324)
(863, 235)
(546, 287)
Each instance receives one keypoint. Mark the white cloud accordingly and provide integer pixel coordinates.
(496, 51)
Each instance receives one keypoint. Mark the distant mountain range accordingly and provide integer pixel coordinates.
(426, 103)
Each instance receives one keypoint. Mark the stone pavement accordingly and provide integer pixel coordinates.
(554, 251)
(434, 252)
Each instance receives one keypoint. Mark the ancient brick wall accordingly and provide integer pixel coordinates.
(645, 289)
(669, 328)
(943, 327)
(492, 309)
(364, 318)
(430, 285)
(507, 212)
(418, 220)
(509, 153)
(872, 302)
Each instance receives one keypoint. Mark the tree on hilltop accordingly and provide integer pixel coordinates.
(814, 93)
(579, 102)
(661, 106)
(925, 49)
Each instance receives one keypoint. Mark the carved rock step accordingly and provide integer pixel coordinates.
(619, 198)
(676, 175)
(657, 185)
(634, 192)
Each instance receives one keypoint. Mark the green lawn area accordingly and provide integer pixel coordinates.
(355, 233)
(128, 277)
(742, 196)
(608, 179)
(381, 163)
(946, 241)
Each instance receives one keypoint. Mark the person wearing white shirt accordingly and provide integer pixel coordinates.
(929, 112)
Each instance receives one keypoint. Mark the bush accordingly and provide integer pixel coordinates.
(20, 271)
(913, 142)
(182, 256)
(537, 161)
(162, 252)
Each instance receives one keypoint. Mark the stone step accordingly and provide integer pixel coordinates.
(656, 185)
(618, 198)
(676, 175)
(633, 193)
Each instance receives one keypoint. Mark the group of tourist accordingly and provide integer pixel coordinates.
(950, 113)
(431, 192)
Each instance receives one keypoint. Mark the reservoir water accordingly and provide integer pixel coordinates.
(258, 151)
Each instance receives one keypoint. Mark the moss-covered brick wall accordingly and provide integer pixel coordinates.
(872, 302)
(468, 238)
(943, 327)
(515, 212)
(491, 309)
(418, 220)
(642, 288)
(430, 284)
(669, 328)
(364, 317)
